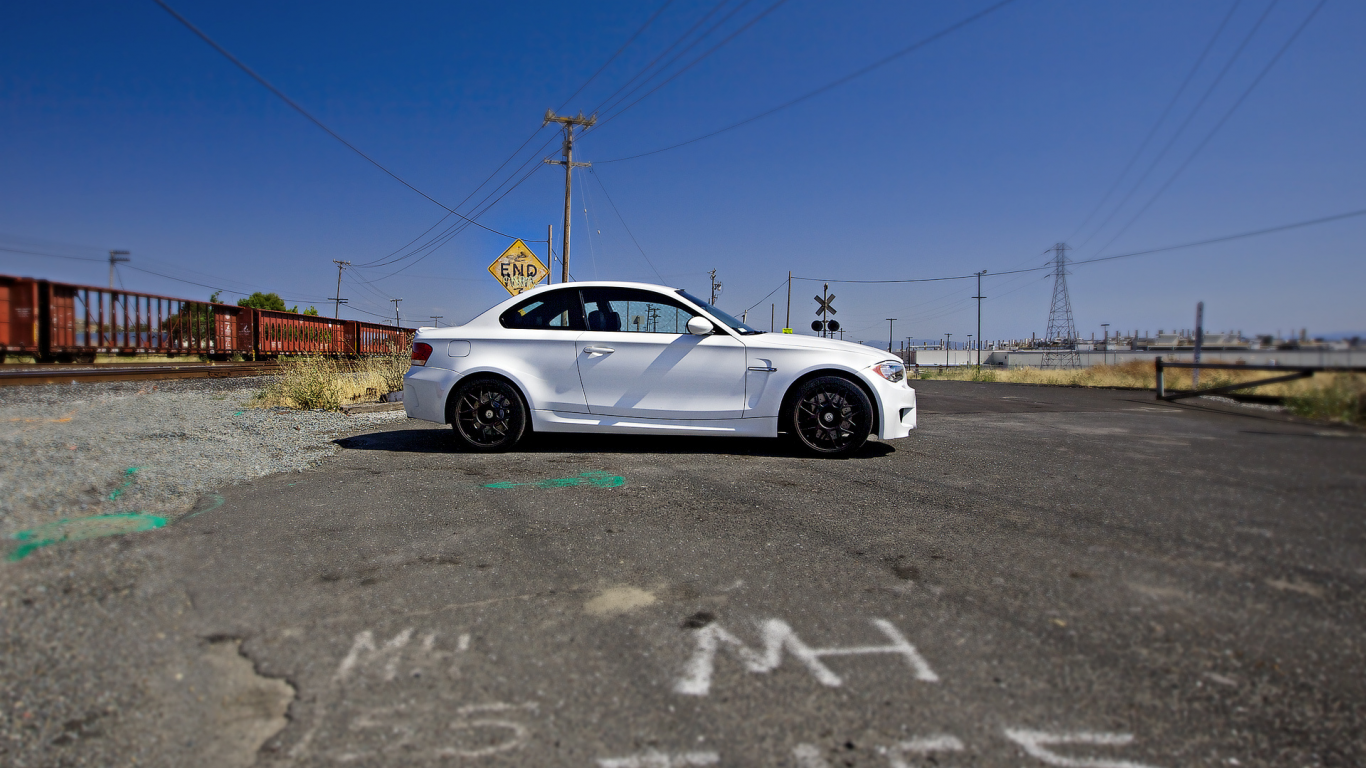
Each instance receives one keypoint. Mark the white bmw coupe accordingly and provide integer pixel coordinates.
(632, 358)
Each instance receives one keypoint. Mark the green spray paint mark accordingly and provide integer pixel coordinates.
(215, 504)
(239, 413)
(82, 528)
(594, 479)
(119, 491)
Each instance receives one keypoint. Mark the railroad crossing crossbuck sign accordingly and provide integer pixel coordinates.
(824, 307)
(518, 269)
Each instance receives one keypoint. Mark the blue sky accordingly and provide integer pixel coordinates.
(979, 151)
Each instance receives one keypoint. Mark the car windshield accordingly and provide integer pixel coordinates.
(735, 324)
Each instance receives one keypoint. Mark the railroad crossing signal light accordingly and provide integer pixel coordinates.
(831, 325)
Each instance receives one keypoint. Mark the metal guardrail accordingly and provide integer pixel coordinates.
(1290, 373)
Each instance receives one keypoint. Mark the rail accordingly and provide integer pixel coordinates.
(66, 373)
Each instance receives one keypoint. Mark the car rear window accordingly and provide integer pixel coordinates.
(553, 311)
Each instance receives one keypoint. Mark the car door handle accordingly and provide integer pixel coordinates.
(762, 368)
(596, 350)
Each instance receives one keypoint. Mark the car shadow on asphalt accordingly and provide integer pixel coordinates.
(442, 441)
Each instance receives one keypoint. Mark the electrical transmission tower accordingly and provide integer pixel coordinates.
(1062, 331)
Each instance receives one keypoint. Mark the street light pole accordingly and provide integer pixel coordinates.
(1105, 335)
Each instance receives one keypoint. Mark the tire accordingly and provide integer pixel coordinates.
(830, 416)
(488, 415)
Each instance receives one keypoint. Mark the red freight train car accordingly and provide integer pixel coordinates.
(62, 321)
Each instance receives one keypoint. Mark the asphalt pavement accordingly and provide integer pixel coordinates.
(1037, 576)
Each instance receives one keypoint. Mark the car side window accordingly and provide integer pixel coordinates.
(634, 311)
(552, 311)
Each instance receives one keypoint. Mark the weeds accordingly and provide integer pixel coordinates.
(1341, 398)
(320, 382)
(1329, 396)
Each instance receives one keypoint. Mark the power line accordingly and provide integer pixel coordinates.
(462, 227)
(1163, 249)
(295, 106)
(627, 228)
(1217, 126)
(214, 287)
(662, 54)
(53, 255)
(1160, 119)
(1181, 129)
(699, 59)
(828, 86)
(1227, 238)
(765, 298)
(614, 56)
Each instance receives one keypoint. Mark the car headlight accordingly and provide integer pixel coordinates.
(891, 371)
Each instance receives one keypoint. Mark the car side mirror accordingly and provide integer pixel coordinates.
(700, 326)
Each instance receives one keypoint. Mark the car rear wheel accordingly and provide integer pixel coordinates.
(830, 416)
(488, 415)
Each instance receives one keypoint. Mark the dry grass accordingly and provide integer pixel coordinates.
(1331, 396)
(316, 381)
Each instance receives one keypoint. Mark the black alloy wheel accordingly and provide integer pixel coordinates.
(488, 415)
(831, 416)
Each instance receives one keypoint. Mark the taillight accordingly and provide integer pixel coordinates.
(421, 352)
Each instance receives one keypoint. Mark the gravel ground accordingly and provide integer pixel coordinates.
(88, 449)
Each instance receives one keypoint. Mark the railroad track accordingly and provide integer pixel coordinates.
(64, 374)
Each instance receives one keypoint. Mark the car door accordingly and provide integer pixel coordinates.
(537, 345)
(637, 359)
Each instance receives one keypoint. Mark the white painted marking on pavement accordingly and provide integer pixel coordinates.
(920, 746)
(655, 759)
(365, 643)
(777, 635)
(808, 756)
(1036, 743)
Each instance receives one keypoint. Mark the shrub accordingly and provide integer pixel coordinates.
(1341, 397)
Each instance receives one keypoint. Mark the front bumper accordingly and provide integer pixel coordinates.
(896, 408)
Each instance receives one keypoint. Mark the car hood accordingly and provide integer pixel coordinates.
(793, 341)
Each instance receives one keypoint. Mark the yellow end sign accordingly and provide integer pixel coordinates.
(518, 269)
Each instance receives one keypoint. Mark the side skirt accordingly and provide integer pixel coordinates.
(559, 421)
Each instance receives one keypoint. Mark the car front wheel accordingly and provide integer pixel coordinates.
(488, 415)
(830, 416)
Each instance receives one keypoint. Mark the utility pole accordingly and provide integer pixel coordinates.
(1105, 335)
(114, 258)
(715, 288)
(979, 298)
(890, 322)
(772, 313)
(550, 253)
(569, 166)
(336, 312)
(787, 324)
(436, 320)
(1199, 342)
(396, 321)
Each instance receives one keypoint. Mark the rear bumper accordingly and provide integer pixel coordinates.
(425, 391)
